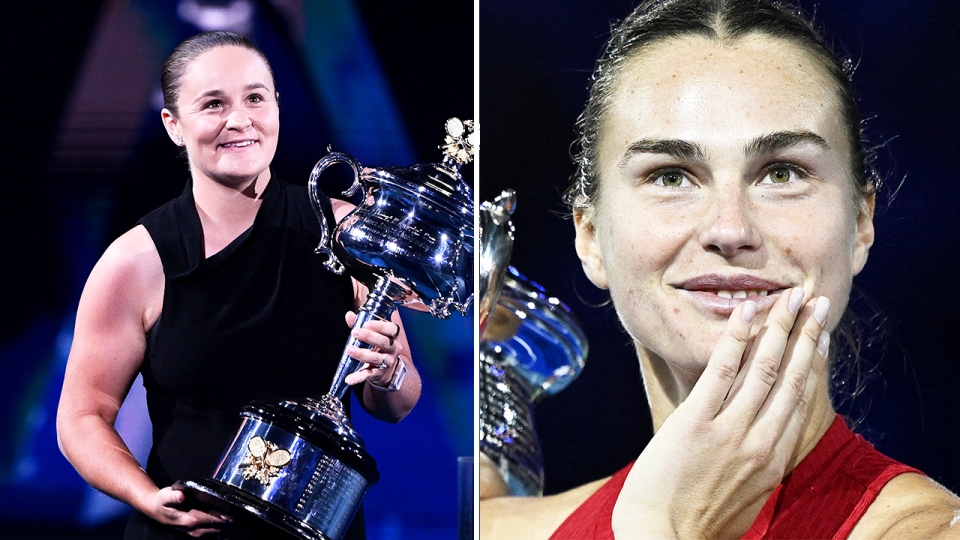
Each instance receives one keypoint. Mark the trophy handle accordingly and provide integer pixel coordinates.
(324, 248)
(442, 307)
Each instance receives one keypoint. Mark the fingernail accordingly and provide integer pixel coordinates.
(796, 299)
(823, 344)
(749, 311)
(821, 309)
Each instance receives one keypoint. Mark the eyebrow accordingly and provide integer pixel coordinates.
(218, 92)
(674, 148)
(775, 142)
(690, 151)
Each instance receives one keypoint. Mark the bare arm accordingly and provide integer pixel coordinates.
(108, 347)
(911, 506)
(503, 517)
(530, 518)
(121, 300)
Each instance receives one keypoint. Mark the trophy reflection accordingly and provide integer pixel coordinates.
(531, 346)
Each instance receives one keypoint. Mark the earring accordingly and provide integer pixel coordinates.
(179, 141)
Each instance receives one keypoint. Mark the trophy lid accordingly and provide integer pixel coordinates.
(434, 183)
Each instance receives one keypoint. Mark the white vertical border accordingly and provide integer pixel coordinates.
(476, 273)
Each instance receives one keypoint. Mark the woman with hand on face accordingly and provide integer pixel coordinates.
(722, 199)
(218, 299)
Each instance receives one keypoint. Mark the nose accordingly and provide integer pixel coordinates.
(729, 228)
(238, 119)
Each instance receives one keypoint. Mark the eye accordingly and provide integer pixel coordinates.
(671, 179)
(255, 98)
(213, 104)
(781, 174)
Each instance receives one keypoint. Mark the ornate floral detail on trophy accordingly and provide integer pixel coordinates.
(264, 460)
(461, 140)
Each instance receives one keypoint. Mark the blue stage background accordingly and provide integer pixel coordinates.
(535, 60)
(90, 157)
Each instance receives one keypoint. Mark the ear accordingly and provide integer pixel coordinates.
(171, 124)
(865, 233)
(588, 249)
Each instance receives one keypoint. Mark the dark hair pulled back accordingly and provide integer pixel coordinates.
(723, 21)
(185, 53)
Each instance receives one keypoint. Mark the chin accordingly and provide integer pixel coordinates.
(242, 174)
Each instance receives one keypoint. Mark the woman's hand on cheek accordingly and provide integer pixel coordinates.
(716, 460)
(170, 507)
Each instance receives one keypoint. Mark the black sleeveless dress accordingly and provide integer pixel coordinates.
(261, 319)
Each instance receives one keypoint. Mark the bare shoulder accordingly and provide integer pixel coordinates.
(130, 247)
(129, 274)
(133, 256)
(911, 506)
(531, 518)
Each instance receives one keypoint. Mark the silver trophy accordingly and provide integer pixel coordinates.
(299, 466)
(531, 346)
(410, 240)
(496, 234)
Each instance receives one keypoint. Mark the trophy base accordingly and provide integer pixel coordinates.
(298, 467)
(253, 516)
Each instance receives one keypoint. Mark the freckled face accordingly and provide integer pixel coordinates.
(724, 175)
(228, 115)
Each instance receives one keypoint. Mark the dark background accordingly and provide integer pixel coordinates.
(535, 59)
(87, 156)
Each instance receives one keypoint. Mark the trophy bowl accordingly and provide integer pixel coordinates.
(414, 226)
(535, 335)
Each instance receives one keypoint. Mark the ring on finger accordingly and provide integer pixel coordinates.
(383, 361)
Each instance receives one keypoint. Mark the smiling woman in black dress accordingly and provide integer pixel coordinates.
(216, 298)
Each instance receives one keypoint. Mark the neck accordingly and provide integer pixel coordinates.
(667, 388)
(226, 210)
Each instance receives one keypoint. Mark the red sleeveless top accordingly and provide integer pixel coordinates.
(823, 497)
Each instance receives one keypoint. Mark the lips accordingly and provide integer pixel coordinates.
(722, 293)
